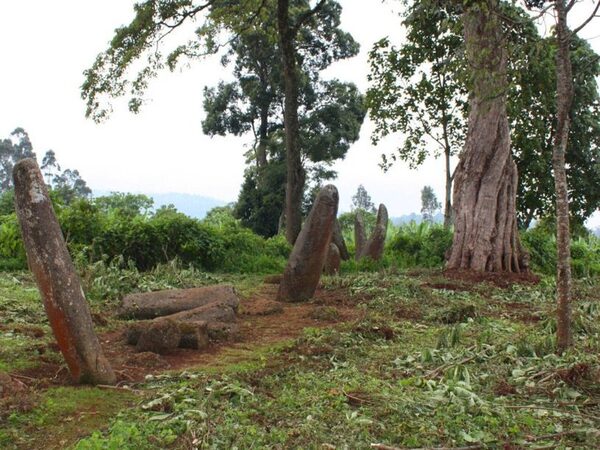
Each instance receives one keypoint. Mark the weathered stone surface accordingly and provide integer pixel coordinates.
(149, 305)
(305, 264)
(160, 337)
(375, 245)
(58, 283)
(192, 334)
(338, 239)
(186, 329)
(360, 237)
(332, 264)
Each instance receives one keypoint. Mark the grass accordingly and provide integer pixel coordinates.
(431, 362)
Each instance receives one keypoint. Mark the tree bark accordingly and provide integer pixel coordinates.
(564, 97)
(485, 225)
(59, 284)
(295, 172)
(448, 196)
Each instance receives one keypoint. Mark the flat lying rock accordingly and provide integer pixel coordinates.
(186, 329)
(150, 305)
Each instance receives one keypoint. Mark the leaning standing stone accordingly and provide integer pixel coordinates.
(375, 245)
(333, 262)
(338, 240)
(57, 281)
(305, 265)
(359, 235)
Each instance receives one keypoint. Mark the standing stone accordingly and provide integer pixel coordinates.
(305, 265)
(359, 236)
(58, 283)
(338, 240)
(333, 262)
(375, 245)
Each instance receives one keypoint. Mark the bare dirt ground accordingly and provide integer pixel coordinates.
(262, 321)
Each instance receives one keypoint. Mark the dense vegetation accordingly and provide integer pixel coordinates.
(123, 230)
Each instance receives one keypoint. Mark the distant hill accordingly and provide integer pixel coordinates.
(414, 217)
(191, 205)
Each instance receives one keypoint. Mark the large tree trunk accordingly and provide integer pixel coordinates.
(295, 172)
(485, 225)
(564, 96)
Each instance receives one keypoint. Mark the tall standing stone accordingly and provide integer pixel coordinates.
(338, 240)
(360, 237)
(58, 283)
(376, 243)
(333, 261)
(305, 265)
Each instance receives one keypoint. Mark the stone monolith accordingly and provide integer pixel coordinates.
(58, 283)
(305, 264)
(375, 245)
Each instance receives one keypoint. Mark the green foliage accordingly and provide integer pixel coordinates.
(540, 242)
(420, 245)
(407, 383)
(362, 200)
(419, 89)
(16, 147)
(429, 204)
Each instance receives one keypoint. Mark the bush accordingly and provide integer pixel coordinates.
(420, 245)
(541, 244)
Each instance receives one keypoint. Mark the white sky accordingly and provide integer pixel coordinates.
(46, 45)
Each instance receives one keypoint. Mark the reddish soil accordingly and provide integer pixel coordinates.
(262, 321)
(499, 279)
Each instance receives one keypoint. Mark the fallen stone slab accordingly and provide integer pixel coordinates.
(149, 305)
(187, 329)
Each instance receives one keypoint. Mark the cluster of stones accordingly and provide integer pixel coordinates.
(189, 318)
(374, 246)
(181, 318)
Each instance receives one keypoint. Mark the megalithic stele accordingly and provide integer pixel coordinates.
(58, 282)
(305, 264)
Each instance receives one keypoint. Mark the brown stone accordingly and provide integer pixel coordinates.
(376, 244)
(149, 305)
(160, 337)
(305, 264)
(338, 239)
(332, 264)
(360, 237)
(58, 283)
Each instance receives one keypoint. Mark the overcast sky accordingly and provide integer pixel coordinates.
(45, 47)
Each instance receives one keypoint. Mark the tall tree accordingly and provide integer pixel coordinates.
(329, 118)
(362, 200)
(564, 101)
(50, 167)
(110, 75)
(485, 225)
(405, 96)
(429, 204)
(418, 89)
(15, 148)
